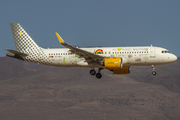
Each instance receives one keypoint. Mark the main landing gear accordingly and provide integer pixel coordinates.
(153, 72)
(92, 72)
(98, 75)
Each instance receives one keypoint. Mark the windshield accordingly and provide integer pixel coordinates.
(165, 51)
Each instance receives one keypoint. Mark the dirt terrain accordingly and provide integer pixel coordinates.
(30, 91)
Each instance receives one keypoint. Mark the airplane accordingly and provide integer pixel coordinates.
(116, 59)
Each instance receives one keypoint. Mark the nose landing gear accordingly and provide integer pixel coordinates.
(153, 72)
(98, 75)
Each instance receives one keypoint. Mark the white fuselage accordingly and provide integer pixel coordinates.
(116, 59)
(132, 56)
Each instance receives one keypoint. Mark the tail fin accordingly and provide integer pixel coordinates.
(26, 48)
(23, 42)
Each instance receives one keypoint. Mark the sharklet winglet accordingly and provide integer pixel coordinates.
(59, 38)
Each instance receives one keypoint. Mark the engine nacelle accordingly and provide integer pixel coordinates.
(124, 70)
(115, 64)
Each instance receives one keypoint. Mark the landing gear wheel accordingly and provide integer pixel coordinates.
(153, 68)
(92, 72)
(98, 75)
(154, 73)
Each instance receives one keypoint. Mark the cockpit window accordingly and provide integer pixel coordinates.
(165, 52)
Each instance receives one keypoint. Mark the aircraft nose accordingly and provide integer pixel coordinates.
(174, 58)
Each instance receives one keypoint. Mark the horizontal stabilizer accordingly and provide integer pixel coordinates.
(17, 53)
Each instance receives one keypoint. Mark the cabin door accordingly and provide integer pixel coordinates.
(152, 52)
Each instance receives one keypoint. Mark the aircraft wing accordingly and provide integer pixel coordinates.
(90, 57)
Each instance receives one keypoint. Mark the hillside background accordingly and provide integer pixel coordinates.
(31, 91)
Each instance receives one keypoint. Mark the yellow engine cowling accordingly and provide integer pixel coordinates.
(112, 63)
(115, 64)
(124, 70)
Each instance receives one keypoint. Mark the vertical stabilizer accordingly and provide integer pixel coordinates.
(26, 45)
(23, 42)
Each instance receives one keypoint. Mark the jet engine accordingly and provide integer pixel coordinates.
(115, 64)
(124, 70)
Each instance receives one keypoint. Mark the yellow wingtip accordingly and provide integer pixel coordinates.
(59, 38)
